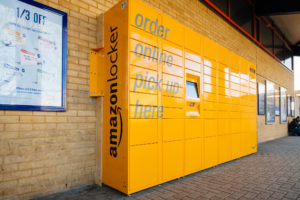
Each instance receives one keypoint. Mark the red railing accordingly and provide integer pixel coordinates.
(256, 38)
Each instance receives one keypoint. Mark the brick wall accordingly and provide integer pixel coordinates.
(47, 152)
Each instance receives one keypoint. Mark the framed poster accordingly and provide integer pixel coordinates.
(33, 56)
(293, 106)
(283, 106)
(261, 98)
(270, 102)
(277, 110)
(289, 106)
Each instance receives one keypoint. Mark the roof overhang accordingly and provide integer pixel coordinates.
(286, 17)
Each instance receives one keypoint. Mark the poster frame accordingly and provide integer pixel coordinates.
(62, 107)
(259, 95)
(282, 89)
(270, 121)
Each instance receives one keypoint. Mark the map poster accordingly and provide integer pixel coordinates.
(270, 102)
(33, 50)
(261, 95)
(283, 105)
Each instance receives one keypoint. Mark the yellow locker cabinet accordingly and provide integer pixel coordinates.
(175, 102)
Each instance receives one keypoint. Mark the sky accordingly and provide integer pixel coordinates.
(297, 72)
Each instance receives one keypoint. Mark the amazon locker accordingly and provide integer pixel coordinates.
(175, 102)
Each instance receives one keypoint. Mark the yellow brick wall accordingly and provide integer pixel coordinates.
(47, 152)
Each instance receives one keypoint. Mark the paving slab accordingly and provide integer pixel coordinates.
(272, 173)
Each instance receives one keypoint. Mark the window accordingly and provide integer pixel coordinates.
(288, 58)
(279, 48)
(241, 13)
(266, 37)
(222, 5)
(257, 29)
(192, 90)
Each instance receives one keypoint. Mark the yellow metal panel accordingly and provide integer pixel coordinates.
(234, 73)
(223, 55)
(210, 152)
(115, 154)
(142, 36)
(141, 73)
(192, 65)
(193, 41)
(224, 91)
(236, 145)
(174, 70)
(251, 142)
(224, 68)
(96, 73)
(210, 49)
(176, 60)
(172, 102)
(210, 71)
(210, 97)
(193, 56)
(224, 114)
(141, 62)
(173, 129)
(210, 88)
(193, 128)
(224, 148)
(143, 16)
(143, 167)
(223, 76)
(224, 126)
(176, 32)
(193, 155)
(173, 48)
(207, 105)
(173, 113)
(169, 79)
(223, 83)
(170, 90)
(138, 112)
(244, 144)
(210, 80)
(141, 135)
(173, 157)
(210, 127)
(142, 86)
(235, 125)
(224, 99)
(143, 99)
(210, 114)
(252, 125)
(210, 63)
(252, 85)
(234, 62)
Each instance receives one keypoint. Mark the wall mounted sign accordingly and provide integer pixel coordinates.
(289, 113)
(277, 109)
(261, 98)
(283, 105)
(293, 106)
(33, 56)
(270, 102)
